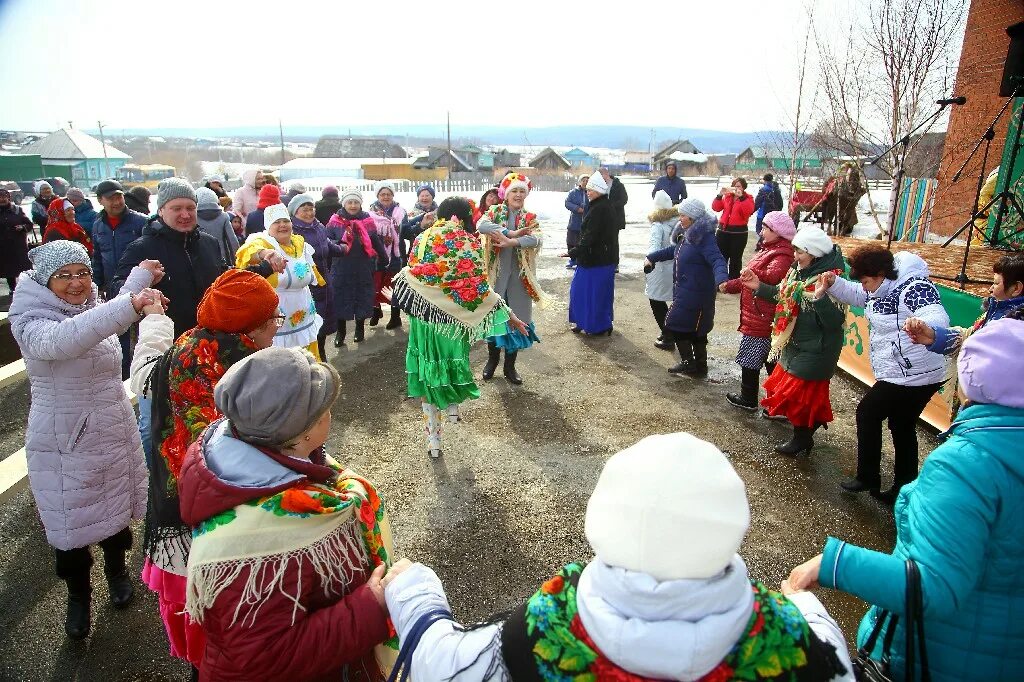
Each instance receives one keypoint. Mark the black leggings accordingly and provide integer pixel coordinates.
(660, 310)
(75, 563)
(731, 243)
(901, 405)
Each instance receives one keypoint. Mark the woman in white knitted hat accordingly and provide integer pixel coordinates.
(658, 286)
(666, 597)
(807, 337)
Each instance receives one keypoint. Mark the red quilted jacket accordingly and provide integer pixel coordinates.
(770, 264)
(736, 211)
(332, 638)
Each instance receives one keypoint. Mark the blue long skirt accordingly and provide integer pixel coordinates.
(592, 298)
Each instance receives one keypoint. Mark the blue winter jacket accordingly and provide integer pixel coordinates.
(768, 199)
(85, 215)
(108, 244)
(576, 199)
(698, 270)
(948, 339)
(962, 521)
(675, 188)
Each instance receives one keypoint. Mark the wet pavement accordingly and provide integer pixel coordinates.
(503, 508)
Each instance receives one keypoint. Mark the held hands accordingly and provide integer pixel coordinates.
(375, 583)
(803, 577)
(386, 293)
(276, 261)
(722, 288)
(148, 297)
(824, 282)
(396, 570)
(155, 268)
(919, 331)
(749, 279)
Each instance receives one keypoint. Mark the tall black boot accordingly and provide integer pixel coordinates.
(79, 618)
(339, 336)
(115, 568)
(360, 331)
(685, 347)
(396, 318)
(510, 369)
(375, 317)
(747, 397)
(493, 356)
(801, 442)
(700, 359)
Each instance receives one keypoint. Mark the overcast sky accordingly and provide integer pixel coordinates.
(212, 63)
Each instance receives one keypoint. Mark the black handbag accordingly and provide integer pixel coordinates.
(867, 669)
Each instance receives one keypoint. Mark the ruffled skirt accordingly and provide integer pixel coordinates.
(803, 402)
(186, 637)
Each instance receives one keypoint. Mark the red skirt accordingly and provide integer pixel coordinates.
(381, 279)
(801, 401)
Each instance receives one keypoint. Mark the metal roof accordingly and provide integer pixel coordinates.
(68, 143)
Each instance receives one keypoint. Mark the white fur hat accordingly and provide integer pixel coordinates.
(670, 506)
(597, 184)
(662, 199)
(813, 240)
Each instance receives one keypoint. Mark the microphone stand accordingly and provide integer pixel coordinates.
(978, 211)
(900, 160)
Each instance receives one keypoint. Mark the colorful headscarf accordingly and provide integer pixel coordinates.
(57, 226)
(511, 181)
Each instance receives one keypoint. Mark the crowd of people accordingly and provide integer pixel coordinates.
(271, 560)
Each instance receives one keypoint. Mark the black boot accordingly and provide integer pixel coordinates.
(119, 582)
(801, 442)
(855, 485)
(685, 347)
(339, 337)
(888, 496)
(747, 397)
(375, 317)
(510, 369)
(78, 622)
(396, 318)
(360, 331)
(493, 356)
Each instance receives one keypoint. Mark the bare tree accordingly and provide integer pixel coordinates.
(880, 81)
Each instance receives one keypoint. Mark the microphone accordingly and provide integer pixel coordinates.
(952, 100)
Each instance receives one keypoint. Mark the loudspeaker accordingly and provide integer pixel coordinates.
(1013, 71)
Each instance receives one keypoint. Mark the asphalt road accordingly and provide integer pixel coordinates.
(503, 508)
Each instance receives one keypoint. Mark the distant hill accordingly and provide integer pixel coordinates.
(611, 136)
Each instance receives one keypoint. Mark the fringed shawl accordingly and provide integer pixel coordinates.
(528, 256)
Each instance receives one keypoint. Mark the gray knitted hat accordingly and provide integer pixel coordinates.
(298, 200)
(206, 198)
(174, 188)
(52, 256)
(691, 208)
(275, 394)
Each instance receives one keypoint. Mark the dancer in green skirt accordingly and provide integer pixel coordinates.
(444, 290)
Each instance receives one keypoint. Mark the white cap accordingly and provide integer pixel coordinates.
(597, 184)
(670, 506)
(813, 240)
(273, 213)
(662, 199)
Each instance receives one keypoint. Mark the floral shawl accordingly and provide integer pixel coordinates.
(527, 256)
(794, 294)
(445, 282)
(182, 389)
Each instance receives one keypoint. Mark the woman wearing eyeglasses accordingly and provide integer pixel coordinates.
(84, 455)
(891, 289)
(237, 316)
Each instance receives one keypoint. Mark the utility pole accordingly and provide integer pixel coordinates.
(103, 140)
(449, 114)
(280, 130)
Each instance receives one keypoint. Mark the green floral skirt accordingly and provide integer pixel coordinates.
(437, 364)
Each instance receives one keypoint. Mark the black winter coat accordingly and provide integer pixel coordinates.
(191, 260)
(14, 228)
(618, 198)
(325, 208)
(599, 236)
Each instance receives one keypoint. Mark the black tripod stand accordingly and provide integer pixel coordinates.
(1005, 196)
(901, 158)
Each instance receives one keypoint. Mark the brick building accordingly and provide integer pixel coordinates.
(978, 77)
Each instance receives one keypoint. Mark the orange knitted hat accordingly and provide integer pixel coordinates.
(237, 301)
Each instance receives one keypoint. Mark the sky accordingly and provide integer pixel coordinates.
(215, 63)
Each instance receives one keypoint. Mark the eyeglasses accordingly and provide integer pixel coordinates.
(66, 277)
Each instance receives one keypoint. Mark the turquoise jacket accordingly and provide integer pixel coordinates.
(962, 521)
